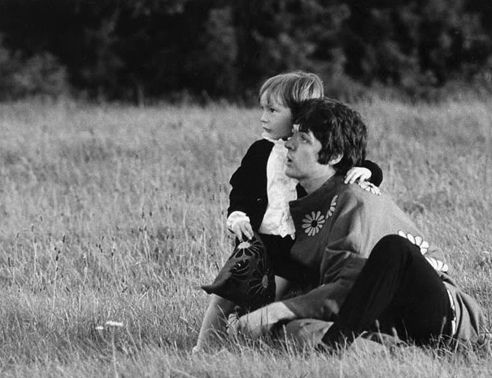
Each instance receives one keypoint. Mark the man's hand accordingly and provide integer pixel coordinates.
(357, 174)
(259, 322)
(242, 230)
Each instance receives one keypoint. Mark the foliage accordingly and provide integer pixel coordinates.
(142, 49)
(30, 76)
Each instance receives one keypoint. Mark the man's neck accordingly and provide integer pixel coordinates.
(310, 184)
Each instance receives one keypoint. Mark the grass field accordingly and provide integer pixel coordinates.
(117, 213)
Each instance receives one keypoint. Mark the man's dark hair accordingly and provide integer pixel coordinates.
(339, 129)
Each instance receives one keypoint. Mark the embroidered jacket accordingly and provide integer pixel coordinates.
(249, 182)
(337, 226)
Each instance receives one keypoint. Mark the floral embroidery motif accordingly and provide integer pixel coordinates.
(416, 240)
(333, 205)
(248, 253)
(312, 223)
(437, 264)
(370, 187)
(424, 247)
(260, 279)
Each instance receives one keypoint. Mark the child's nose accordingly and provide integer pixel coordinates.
(263, 117)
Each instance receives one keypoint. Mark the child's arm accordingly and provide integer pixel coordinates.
(248, 196)
(376, 172)
(368, 171)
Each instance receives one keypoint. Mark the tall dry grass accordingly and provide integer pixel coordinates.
(117, 213)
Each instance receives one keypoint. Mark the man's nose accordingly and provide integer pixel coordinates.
(288, 143)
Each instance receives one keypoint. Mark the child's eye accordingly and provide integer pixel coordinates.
(267, 108)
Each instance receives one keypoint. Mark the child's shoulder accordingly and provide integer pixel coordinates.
(261, 144)
(260, 147)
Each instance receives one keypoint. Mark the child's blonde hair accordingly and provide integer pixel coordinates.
(289, 89)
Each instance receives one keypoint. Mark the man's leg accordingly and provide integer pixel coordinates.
(396, 290)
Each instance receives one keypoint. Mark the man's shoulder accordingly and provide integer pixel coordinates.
(368, 200)
(361, 195)
(361, 191)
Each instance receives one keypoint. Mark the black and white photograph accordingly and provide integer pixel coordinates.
(248, 188)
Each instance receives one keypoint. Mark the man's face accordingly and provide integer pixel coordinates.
(276, 119)
(302, 157)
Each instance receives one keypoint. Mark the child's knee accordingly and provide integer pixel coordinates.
(221, 304)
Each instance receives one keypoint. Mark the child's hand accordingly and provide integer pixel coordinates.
(242, 230)
(357, 174)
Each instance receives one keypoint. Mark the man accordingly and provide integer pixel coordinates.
(370, 268)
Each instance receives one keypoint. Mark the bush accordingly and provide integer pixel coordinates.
(36, 75)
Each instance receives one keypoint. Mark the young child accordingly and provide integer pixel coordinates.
(261, 192)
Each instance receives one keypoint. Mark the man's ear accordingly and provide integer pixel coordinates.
(335, 159)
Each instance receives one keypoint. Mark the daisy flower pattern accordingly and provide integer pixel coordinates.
(438, 265)
(416, 240)
(312, 223)
(370, 187)
(333, 205)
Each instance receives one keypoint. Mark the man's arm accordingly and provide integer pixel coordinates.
(261, 321)
(324, 302)
(341, 262)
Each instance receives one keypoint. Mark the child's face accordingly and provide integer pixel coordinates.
(276, 119)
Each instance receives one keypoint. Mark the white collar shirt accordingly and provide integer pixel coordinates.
(280, 191)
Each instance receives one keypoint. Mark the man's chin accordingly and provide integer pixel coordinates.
(289, 172)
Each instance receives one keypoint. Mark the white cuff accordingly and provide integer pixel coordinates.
(235, 217)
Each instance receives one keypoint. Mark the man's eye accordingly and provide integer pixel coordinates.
(304, 138)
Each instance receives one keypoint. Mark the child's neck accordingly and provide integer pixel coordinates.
(273, 140)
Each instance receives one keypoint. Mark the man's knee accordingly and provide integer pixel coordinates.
(393, 247)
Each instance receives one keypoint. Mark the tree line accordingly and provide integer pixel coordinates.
(137, 50)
